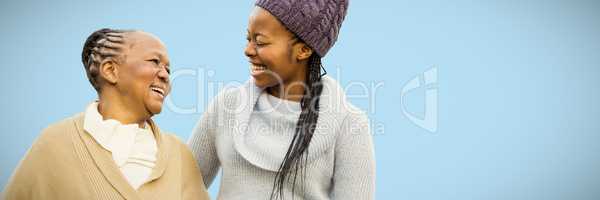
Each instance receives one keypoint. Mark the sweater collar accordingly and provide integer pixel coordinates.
(278, 108)
(103, 159)
(333, 107)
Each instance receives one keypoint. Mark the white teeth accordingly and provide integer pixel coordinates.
(159, 90)
(258, 67)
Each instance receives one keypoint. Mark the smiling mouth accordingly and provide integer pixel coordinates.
(257, 69)
(160, 91)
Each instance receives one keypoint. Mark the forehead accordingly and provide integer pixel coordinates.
(142, 43)
(263, 22)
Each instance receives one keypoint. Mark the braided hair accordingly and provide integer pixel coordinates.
(293, 164)
(100, 45)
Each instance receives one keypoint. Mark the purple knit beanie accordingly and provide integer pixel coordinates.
(316, 22)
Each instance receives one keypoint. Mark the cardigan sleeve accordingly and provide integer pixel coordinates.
(354, 167)
(202, 143)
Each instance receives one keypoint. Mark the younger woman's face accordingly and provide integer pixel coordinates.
(273, 51)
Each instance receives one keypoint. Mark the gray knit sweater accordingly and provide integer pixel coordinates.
(341, 163)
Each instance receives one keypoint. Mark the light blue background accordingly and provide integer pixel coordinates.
(517, 81)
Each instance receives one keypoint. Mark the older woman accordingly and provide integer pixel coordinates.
(113, 150)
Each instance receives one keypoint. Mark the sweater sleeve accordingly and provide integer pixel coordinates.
(202, 143)
(37, 175)
(354, 170)
(193, 185)
(22, 184)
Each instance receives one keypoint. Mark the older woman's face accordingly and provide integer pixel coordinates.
(144, 73)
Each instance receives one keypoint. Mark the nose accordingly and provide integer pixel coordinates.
(250, 50)
(163, 75)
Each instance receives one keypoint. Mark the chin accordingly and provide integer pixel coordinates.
(154, 108)
(264, 82)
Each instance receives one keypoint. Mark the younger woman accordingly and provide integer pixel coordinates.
(289, 131)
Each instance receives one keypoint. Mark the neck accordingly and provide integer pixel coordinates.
(112, 107)
(293, 88)
(293, 91)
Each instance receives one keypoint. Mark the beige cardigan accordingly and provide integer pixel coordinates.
(65, 163)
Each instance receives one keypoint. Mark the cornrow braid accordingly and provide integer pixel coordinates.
(295, 160)
(101, 44)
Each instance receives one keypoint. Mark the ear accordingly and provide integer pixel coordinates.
(304, 52)
(109, 71)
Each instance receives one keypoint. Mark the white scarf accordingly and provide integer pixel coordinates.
(133, 149)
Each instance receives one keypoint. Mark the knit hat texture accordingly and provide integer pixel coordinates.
(316, 22)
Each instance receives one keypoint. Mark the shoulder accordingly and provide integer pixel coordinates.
(178, 147)
(175, 142)
(170, 138)
(234, 98)
(351, 119)
(56, 135)
(355, 133)
(54, 141)
(356, 120)
(335, 102)
(235, 92)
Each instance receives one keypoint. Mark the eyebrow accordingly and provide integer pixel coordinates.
(162, 57)
(257, 34)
